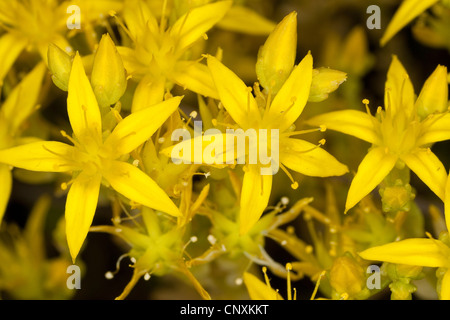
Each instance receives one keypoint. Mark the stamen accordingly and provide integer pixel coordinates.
(120, 23)
(266, 277)
(66, 185)
(110, 274)
(288, 279)
(366, 103)
(316, 288)
(294, 184)
(65, 135)
(321, 128)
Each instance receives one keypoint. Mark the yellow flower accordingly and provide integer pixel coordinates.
(417, 252)
(18, 106)
(33, 25)
(408, 10)
(93, 158)
(159, 56)
(401, 134)
(265, 113)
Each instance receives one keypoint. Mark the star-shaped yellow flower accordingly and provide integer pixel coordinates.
(430, 252)
(94, 159)
(159, 55)
(401, 134)
(14, 112)
(33, 25)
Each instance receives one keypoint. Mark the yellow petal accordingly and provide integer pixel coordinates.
(194, 24)
(408, 10)
(434, 94)
(148, 92)
(22, 101)
(133, 66)
(356, 123)
(234, 94)
(195, 77)
(81, 204)
(108, 76)
(5, 188)
(415, 252)
(139, 187)
(210, 148)
(447, 203)
(375, 166)
(256, 189)
(309, 159)
(445, 286)
(245, 20)
(139, 19)
(399, 91)
(258, 290)
(10, 48)
(139, 126)
(435, 127)
(82, 107)
(47, 156)
(429, 169)
(276, 57)
(290, 101)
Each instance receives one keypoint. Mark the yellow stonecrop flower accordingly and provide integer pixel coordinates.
(434, 253)
(96, 157)
(14, 112)
(277, 111)
(159, 56)
(401, 134)
(32, 25)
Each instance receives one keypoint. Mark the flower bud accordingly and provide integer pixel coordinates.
(347, 276)
(60, 64)
(325, 81)
(434, 95)
(276, 57)
(108, 77)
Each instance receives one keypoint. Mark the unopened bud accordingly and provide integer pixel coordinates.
(60, 64)
(434, 95)
(276, 57)
(108, 77)
(325, 81)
